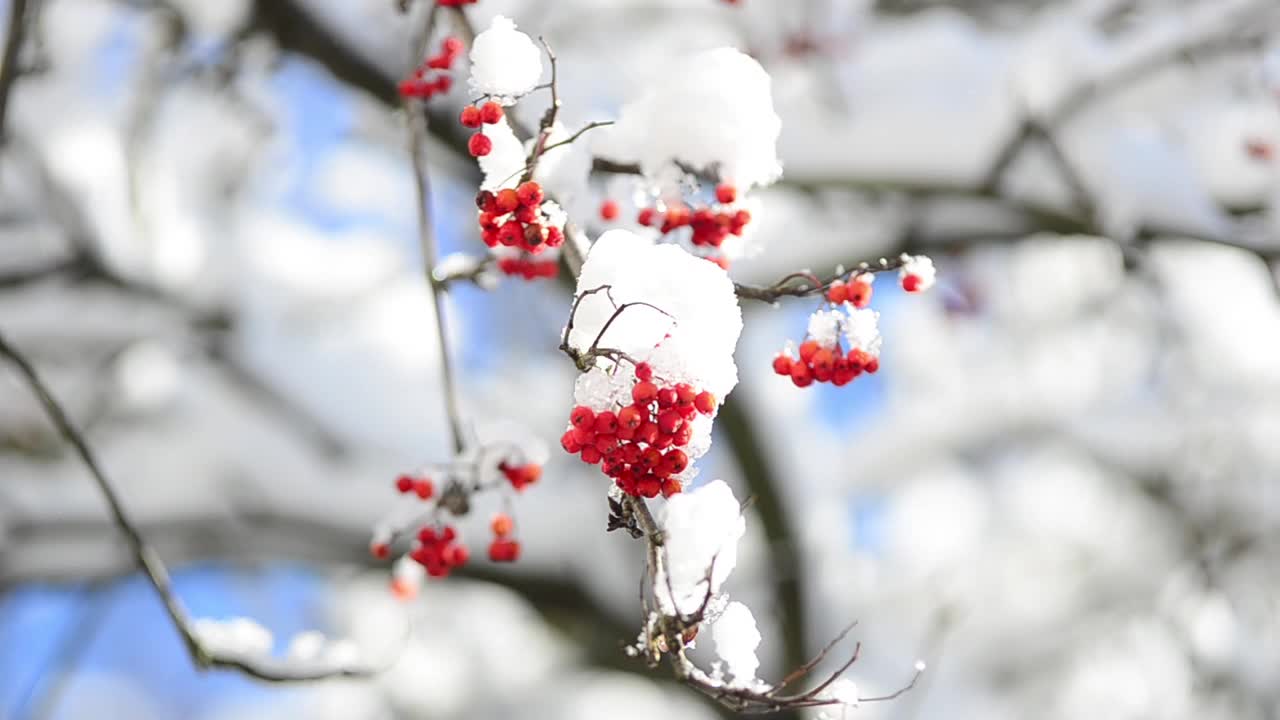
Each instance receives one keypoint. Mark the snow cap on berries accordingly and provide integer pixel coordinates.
(702, 529)
(712, 109)
(920, 267)
(737, 637)
(505, 63)
(825, 326)
(862, 329)
(689, 338)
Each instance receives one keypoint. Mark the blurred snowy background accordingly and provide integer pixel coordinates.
(1060, 491)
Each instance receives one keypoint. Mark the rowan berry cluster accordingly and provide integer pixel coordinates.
(842, 318)
(429, 78)
(438, 551)
(503, 548)
(639, 445)
(521, 476)
(437, 547)
(822, 364)
(521, 220)
(476, 117)
(709, 225)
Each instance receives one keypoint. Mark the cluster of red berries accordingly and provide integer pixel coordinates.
(419, 86)
(521, 476)
(514, 218)
(421, 486)
(476, 118)
(528, 268)
(438, 552)
(822, 364)
(856, 292)
(639, 445)
(709, 225)
(503, 548)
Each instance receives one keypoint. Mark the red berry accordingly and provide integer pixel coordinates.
(650, 486)
(584, 436)
(801, 375)
(501, 524)
(530, 194)
(669, 421)
(645, 216)
(644, 392)
(456, 555)
(609, 210)
(838, 292)
(606, 444)
(590, 455)
(606, 422)
(525, 475)
(451, 46)
(507, 201)
(582, 417)
(631, 453)
(726, 193)
(823, 361)
(555, 238)
(807, 349)
(424, 488)
(683, 435)
(860, 294)
(644, 372)
(404, 483)
(479, 145)
(666, 397)
(912, 283)
(675, 461)
(670, 487)
(685, 394)
(491, 113)
(569, 443)
(504, 550)
(380, 550)
(629, 418)
(782, 364)
(705, 402)
(648, 432)
(470, 117)
(872, 364)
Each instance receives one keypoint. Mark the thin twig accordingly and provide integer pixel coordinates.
(569, 140)
(263, 668)
(418, 126)
(811, 285)
(14, 32)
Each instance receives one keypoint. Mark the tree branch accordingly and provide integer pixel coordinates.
(418, 124)
(263, 668)
(14, 32)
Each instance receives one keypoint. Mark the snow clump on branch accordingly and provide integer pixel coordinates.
(505, 63)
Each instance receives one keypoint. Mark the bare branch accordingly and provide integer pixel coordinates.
(262, 668)
(15, 30)
(418, 124)
(810, 284)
